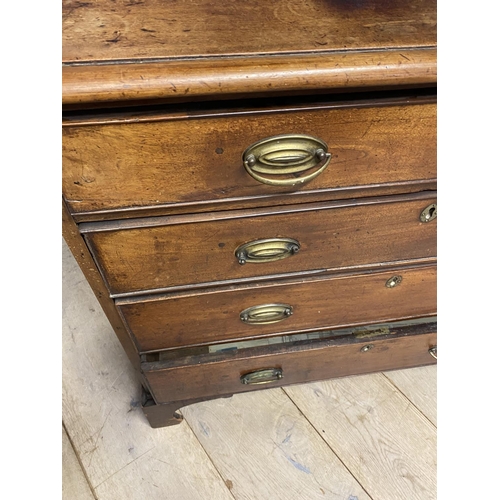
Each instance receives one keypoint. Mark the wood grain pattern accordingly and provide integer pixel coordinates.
(122, 456)
(284, 200)
(176, 466)
(74, 483)
(118, 54)
(279, 454)
(420, 387)
(388, 445)
(90, 404)
(182, 49)
(74, 243)
(160, 474)
(319, 361)
(318, 303)
(199, 160)
(170, 255)
(123, 30)
(181, 81)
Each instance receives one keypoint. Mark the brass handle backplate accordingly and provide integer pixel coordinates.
(286, 160)
(433, 351)
(429, 213)
(265, 314)
(394, 281)
(262, 376)
(261, 251)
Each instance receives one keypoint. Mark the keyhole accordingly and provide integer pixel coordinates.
(429, 213)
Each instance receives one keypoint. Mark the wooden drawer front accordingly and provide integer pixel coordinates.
(298, 365)
(196, 160)
(316, 303)
(330, 236)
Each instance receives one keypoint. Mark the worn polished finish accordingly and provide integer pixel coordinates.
(178, 161)
(183, 319)
(187, 251)
(246, 185)
(125, 51)
(221, 374)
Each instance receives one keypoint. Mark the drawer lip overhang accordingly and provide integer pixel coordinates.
(157, 221)
(98, 83)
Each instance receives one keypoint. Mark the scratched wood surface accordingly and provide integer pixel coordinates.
(123, 29)
(358, 438)
(74, 482)
(381, 437)
(265, 448)
(360, 237)
(127, 165)
(420, 387)
(178, 50)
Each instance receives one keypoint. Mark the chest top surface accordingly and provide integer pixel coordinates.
(119, 30)
(122, 50)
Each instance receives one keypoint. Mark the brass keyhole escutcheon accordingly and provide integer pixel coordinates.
(367, 348)
(394, 281)
(429, 213)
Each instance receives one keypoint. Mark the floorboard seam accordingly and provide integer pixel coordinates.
(410, 401)
(324, 440)
(208, 455)
(77, 455)
(119, 470)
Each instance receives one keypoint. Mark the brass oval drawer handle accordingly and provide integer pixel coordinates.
(265, 314)
(262, 376)
(433, 351)
(283, 158)
(268, 250)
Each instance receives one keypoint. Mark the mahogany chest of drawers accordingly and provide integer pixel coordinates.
(250, 188)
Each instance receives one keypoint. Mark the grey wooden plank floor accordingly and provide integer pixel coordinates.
(357, 438)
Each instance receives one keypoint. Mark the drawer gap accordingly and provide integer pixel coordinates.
(214, 352)
(182, 111)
